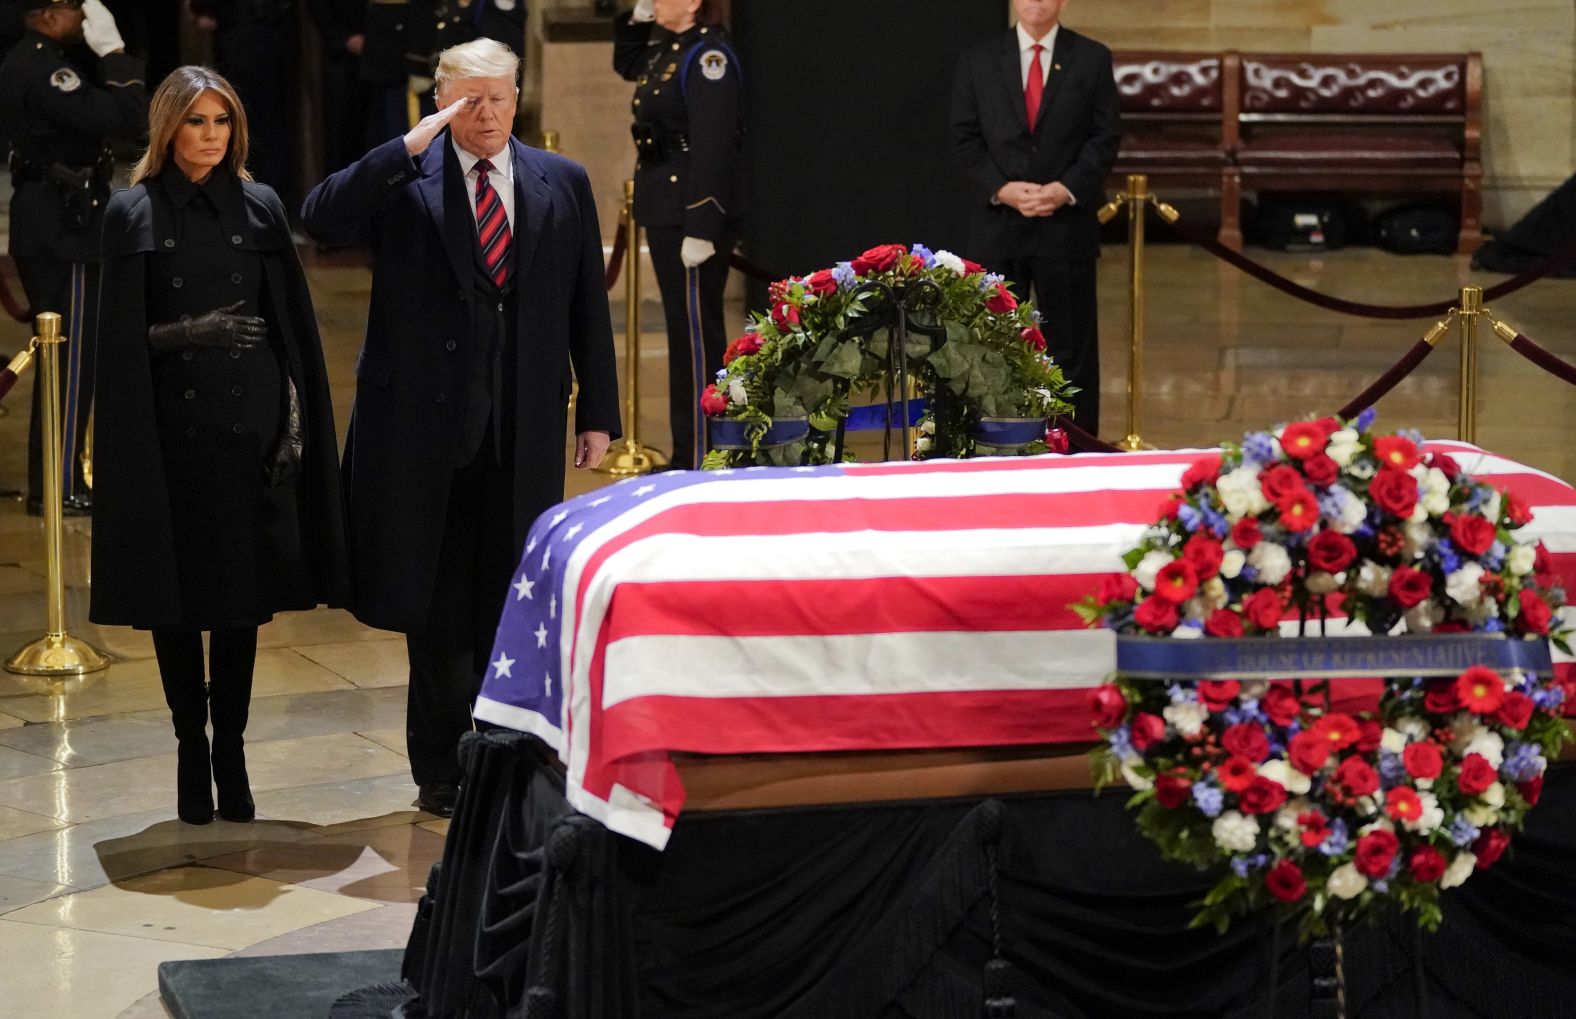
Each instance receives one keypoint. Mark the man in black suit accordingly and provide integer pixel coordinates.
(1035, 127)
(456, 438)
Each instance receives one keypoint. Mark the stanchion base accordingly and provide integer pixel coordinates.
(631, 461)
(1133, 444)
(56, 654)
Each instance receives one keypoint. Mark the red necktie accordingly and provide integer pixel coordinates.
(492, 225)
(1034, 88)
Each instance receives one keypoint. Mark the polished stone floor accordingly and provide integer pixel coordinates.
(98, 880)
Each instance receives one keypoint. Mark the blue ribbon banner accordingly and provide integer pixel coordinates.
(1009, 431)
(727, 433)
(869, 418)
(1166, 658)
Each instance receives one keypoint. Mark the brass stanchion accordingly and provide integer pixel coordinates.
(550, 141)
(1470, 311)
(55, 653)
(1134, 199)
(635, 458)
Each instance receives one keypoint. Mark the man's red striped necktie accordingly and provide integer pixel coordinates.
(492, 225)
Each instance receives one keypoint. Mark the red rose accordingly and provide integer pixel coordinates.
(1001, 301)
(1261, 796)
(1172, 789)
(879, 259)
(1176, 582)
(1440, 696)
(749, 343)
(1285, 882)
(1375, 851)
(1472, 533)
(1394, 491)
(785, 316)
(1147, 729)
(1427, 864)
(1217, 694)
(1516, 711)
(1280, 481)
(1246, 533)
(1516, 511)
(1476, 775)
(1263, 608)
(1299, 511)
(1108, 705)
(1281, 705)
(1156, 615)
(1423, 760)
(1117, 587)
(1394, 451)
(1480, 690)
(1205, 554)
(1331, 551)
(1170, 507)
(1402, 804)
(1308, 752)
(1056, 440)
(1329, 424)
(1315, 828)
(1356, 777)
(1321, 470)
(1246, 740)
(1303, 439)
(1489, 846)
(1542, 565)
(1033, 337)
(1203, 471)
(1236, 774)
(971, 268)
(1408, 586)
(1531, 790)
(1223, 623)
(1446, 464)
(1340, 731)
(1369, 735)
(821, 283)
(713, 401)
(1535, 614)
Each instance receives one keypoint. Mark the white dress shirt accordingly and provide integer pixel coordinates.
(501, 177)
(1026, 45)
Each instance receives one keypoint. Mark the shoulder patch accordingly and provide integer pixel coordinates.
(65, 79)
(714, 65)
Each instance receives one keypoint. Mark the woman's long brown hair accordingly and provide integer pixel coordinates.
(172, 101)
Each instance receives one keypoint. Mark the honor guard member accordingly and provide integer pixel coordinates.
(397, 58)
(689, 186)
(463, 20)
(57, 121)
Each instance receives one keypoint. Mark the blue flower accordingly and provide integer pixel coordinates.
(1180, 694)
(1494, 558)
(924, 254)
(1490, 625)
(1239, 866)
(1380, 887)
(1449, 558)
(1392, 772)
(1463, 832)
(1248, 574)
(1209, 799)
(1189, 517)
(1121, 740)
(1522, 763)
(990, 279)
(722, 373)
(845, 276)
(1365, 420)
(1337, 841)
(1259, 447)
(1412, 435)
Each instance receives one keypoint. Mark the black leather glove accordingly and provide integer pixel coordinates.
(218, 328)
(284, 462)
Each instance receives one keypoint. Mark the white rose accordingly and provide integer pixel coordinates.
(928, 426)
(922, 443)
(1413, 728)
(1465, 585)
(1419, 538)
(1187, 719)
(1494, 795)
(1392, 740)
(1150, 565)
(1422, 617)
(1373, 579)
(1362, 469)
(1292, 780)
(1418, 472)
(1235, 832)
(1241, 494)
(1213, 594)
(1368, 806)
(1323, 582)
(1345, 882)
(1481, 815)
(1436, 504)
(1435, 482)
(1491, 506)
(947, 260)
(1132, 777)
(736, 393)
(1231, 563)
(1429, 818)
(1271, 562)
(1343, 446)
(1491, 745)
(1519, 561)
(1353, 515)
(1419, 513)
(1459, 870)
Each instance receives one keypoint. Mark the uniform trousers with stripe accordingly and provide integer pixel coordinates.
(71, 289)
(697, 335)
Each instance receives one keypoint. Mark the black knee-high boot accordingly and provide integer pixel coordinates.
(231, 657)
(180, 669)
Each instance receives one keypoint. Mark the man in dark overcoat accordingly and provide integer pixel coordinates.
(487, 299)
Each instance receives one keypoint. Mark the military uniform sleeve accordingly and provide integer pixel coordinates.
(117, 108)
(630, 39)
(713, 86)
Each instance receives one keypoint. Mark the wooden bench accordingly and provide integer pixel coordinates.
(1173, 105)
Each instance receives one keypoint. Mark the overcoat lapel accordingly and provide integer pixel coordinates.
(1011, 66)
(533, 206)
(1053, 80)
(449, 208)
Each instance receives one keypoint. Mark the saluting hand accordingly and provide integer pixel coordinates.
(420, 137)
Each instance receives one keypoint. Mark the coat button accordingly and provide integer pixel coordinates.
(235, 277)
(450, 345)
(438, 398)
(176, 283)
(190, 394)
(169, 242)
(237, 428)
(235, 352)
(191, 433)
(235, 238)
(235, 390)
(187, 355)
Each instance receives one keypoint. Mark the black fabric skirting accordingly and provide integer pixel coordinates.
(1037, 906)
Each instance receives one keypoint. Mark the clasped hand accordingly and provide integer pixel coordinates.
(218, 328)
(1034, 199)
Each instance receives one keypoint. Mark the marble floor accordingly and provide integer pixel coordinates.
(98, 880)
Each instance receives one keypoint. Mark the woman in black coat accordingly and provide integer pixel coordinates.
(216, 492)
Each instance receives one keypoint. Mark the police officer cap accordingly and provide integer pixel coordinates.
(44, 5)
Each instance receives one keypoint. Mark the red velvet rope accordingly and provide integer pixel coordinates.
(7, 380)
(1544, 359)
(8, 300)
(1081, 440)
(751, 269)
(1386, 382)
(615, 261)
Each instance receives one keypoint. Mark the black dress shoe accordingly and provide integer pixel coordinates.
(438, 798)
(75, 506)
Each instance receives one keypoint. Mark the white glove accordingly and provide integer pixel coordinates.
(645, 10)
(694, 251)
(98, 28)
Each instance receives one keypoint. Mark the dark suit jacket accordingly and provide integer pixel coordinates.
(411, 375)
(1074, 141)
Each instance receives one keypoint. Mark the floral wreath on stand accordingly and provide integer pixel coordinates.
(1324, 814)
(786, 384)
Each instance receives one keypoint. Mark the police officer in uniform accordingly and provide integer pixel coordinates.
(57, 122)
(689, 186)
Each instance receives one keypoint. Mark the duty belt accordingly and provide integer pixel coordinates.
(656, 146)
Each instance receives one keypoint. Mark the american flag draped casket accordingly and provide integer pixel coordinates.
(856, 607)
